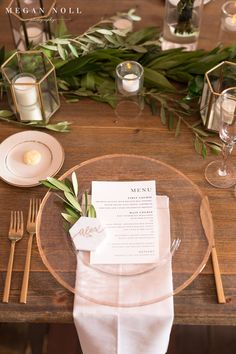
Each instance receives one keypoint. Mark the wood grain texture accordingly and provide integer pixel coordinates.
(97, 131)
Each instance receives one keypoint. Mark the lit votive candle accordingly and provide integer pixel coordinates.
(25, 89)
(230, 23)
(130, 83)
(129, 78)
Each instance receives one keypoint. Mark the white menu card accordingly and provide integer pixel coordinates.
(128, 211)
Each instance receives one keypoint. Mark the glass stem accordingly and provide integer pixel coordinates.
(226, 151)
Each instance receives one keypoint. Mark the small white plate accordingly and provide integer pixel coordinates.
(14, 171)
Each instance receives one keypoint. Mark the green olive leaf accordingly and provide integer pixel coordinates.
(58, 184)
(177, 129)
(91, 212)
(104, 31)
(73, 201)
(61, 51)
(163, 115)
(71, 211)
(73, 50)
(198, 145)
(6, 113)
(75, 183)
(69, 218)
(48, 184)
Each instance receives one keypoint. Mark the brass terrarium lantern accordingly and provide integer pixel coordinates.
(216, 80)
(32, 21)
(31, 86)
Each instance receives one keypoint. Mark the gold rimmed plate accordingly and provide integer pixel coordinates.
(15, 171)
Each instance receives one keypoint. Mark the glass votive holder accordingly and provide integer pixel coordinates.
(227, 33)
(129, 78)
(129, 85)
(31, 86)
(32, 21)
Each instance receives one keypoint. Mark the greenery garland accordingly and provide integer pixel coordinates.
(85, 67)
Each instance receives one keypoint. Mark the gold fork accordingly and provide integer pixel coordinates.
(31, 229)
(15, 234)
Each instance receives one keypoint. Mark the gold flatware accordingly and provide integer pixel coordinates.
(217, 275)
(209, 231)
(15, 234)
(31, 229)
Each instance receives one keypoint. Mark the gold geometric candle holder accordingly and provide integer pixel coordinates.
(31, 86)
(31, 22)
(216, 80)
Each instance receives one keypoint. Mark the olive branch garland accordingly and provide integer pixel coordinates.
(90, 73)
(173, 79)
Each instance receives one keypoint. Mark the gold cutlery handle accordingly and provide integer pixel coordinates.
(25, 282)
(217, 274)
(9, 274)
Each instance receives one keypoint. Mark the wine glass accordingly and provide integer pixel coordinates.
(221, 173)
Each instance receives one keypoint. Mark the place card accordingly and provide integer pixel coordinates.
(128, 212)
(87, 234)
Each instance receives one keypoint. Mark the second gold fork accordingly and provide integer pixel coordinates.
(31, 229)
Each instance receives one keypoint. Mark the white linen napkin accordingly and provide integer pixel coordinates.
(104, 329)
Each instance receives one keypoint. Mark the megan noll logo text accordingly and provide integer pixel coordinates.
(41, 11)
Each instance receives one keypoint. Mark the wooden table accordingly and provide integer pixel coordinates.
(96, 131)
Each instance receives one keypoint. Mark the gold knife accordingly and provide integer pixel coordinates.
(209, 231)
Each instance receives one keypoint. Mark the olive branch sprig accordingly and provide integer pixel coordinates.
(8, 117)
(98, 36)
(173, 117)
(73, 209)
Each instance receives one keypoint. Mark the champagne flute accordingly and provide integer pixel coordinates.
(221, 173)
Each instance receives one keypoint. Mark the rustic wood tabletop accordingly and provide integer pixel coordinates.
(97, 131)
